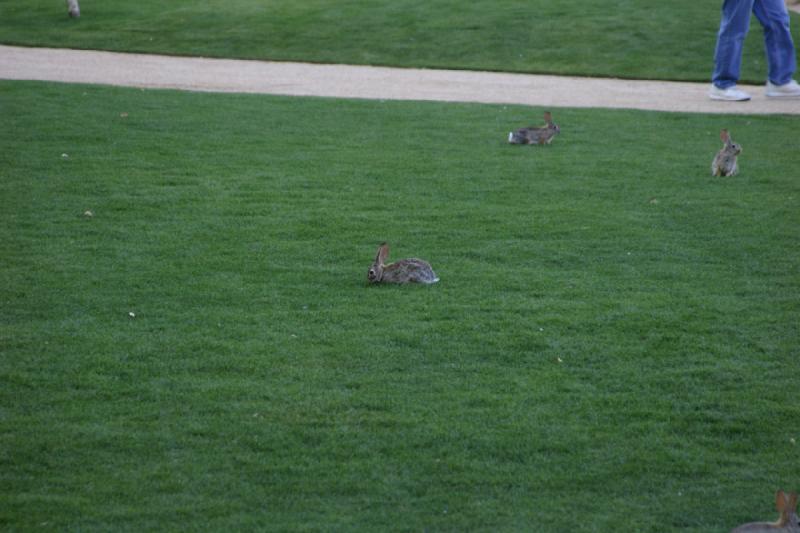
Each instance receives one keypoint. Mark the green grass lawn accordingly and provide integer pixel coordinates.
(629, 39)
(612, 345)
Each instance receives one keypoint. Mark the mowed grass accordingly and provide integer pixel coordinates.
(612, 345)
(629, 39)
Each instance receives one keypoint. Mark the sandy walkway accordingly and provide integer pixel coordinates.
(226, 75)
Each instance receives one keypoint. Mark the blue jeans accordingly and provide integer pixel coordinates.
(772, 14)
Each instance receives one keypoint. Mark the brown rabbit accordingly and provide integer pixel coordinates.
(531, 135)
(787, 523)
(402, 271)
(724, 163)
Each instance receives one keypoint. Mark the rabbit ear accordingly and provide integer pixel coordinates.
(548, 117)
(383, 253)
(780, 501)
(723, 135)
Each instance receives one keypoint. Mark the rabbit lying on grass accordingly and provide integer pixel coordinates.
(724, 163)
(402, 271)
(787, 523)
(531, 135)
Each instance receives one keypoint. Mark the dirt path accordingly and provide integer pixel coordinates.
(228, 75)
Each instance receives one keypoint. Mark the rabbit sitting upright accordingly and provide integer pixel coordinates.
(402, 271)
(531, 135)
(724, 163)
(787, 523)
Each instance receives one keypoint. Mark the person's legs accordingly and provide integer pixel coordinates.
(730, 40)
(772, 14)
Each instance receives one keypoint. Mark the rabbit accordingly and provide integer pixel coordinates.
(73, 8)
(724, 163)
(543, 135)
(402, 271)
(787, 523)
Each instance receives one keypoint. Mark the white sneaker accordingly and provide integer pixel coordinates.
(787, 90)
(732, 94)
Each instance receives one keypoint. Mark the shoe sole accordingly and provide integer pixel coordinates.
(724, 99)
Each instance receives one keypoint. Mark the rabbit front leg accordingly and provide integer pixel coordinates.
(73, 8)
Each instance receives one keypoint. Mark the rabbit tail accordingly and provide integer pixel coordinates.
(514, 137)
